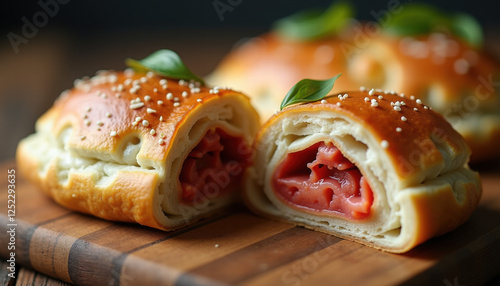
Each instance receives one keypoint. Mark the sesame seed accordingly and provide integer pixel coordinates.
(150, 110)
(145, 122)
(100, 123)
(170, 96)
(419, 101)
(159, 102)
(184, 94)
(143, 79)
(176, 98)
(85, 116)
(403, 103)
(425, 107)
(150, 74)
(137, 105)
(384, 144)
(371, 92)
(89, 109)
(162, 135)
(195, 90)
(108, 115)
(113, 133)
(403, 118)
(161, 118)
(160, 141)
(387, 91)
(399, 129)
(83, 137)
(367, 99)
(73, 195)
(135, 82)
(412, 97)
(155, 90)
(380, 97)
(164, 86)
(217, 245)
(152, 132)
(113, 88)
(134, 123)
(163, 81)
(138, 118)
(397, 108)
(176, 104)
(147, 98)
(182, 82)
(374, 103)
(127, 81)
(378, 90)
(339, 104)
(98, 129)
(129, 72)
(362, 88)
(87, 122)
(118, 95)
(199, 100)
(323, 101)
(414, 108)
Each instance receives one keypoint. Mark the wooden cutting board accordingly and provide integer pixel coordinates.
(237, 247)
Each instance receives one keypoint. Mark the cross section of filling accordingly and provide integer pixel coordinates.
(214, 167)
(320, 179)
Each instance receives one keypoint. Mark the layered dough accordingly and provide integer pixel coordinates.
(457, 80)
(141, 148)
(389, 175)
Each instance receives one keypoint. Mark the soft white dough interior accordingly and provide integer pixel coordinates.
(384, 226)
(132, 156)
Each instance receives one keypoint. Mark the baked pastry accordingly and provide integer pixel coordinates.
(374, 167)
(458, 79)
(141, 147)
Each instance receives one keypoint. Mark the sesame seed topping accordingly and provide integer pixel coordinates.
(100, 123)
(380, 97)
(397, 108)
(170, 96)
(367, 99)
(108, 115)
(163, 81)
(150, 74)
(159, 102)
(145, 122)
(371, 92)
(85, 116)
(113, 88)
(362, 88)
(147, 98)
(182, 82)
(403, 118)
(136, 105)
(425, 107)
(323, 101)
(162, 135)
(118, 95)
(161, 141)
(161, 118)
(339, 104)
(378, 90)
(152, 132)
(135, 82)
(199, 100)
(184, 94)
(374, 103)
(399, 129)
(127, 81)
(412, 97)
(176, 104)
(112, 133)
(195, 90)
(87, 122)
(387, 91)
(155, 90)
(129, 72)
(83, 137)
(384, 144)
(217, 245)
(138, 118)
(419, 101)
(143, 79)
(414, 108)
(150, 110)
(164, 86)
(176, 98)
(134, 89)
(89, 109)
(134, 123)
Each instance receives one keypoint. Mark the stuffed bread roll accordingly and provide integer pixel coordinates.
(140, 147)
(372, 167)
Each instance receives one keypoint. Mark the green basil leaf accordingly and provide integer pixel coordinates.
(420, 19)
(468, 28)
(315, 24)
(308, 90)
(166, 63)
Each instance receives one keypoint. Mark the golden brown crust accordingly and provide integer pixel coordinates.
(113, 146)
(452, 77)
(425, 183)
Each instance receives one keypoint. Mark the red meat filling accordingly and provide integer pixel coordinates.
(321, 179)
(214, 167)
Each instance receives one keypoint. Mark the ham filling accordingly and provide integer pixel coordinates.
(214, 167)
(321, 179)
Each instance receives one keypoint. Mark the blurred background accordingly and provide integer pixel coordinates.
(46, 44)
